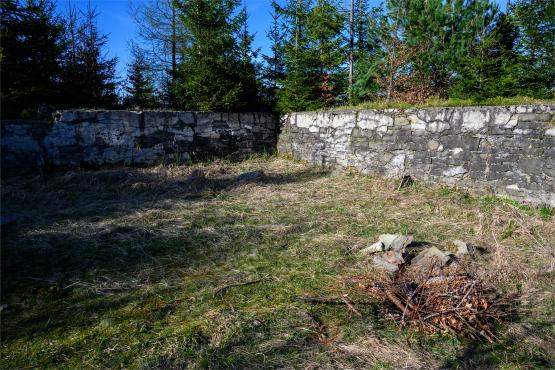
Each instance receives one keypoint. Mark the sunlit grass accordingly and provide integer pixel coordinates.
(122, 268)
(436, 102)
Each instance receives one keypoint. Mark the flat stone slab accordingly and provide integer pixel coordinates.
(395, 242)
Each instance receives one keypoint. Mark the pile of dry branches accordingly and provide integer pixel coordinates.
(455, 302)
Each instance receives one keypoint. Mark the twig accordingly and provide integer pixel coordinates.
(396, 301)
(350, 305)
(324, 300)
(441, 313)
(467, 293)
(222, 290)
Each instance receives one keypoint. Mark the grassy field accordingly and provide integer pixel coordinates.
(133, 268)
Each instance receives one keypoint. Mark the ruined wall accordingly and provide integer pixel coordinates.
(506, 151)
(94, 138)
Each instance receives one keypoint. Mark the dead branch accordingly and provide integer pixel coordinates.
(222, 290)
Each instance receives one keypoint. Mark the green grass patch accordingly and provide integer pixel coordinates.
(122, 268)
(452, 102)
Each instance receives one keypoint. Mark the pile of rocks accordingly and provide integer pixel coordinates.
(390, 253)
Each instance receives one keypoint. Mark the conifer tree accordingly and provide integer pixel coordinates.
(488, 69)
(215, 73)
(249, 69)
(363, 45)
(88, 75)
(301, 80)
(422, 47)
(274, 68)
(31, 50)
(314, 55)
(139, 86)
(443, 32)
(535, 46)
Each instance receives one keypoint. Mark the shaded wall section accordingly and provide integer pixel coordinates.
(96, 138)
(508, 151)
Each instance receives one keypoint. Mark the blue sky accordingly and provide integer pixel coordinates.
(115, 20)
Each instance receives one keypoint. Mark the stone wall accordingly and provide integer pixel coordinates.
(508, 151)
(95, 138)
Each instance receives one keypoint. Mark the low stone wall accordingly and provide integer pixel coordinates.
(95, 138)
(507, 151)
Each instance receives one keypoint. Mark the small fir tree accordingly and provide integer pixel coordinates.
(88, 75)
(139, 88)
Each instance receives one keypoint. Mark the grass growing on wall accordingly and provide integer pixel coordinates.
(435, 102)
(130, 268)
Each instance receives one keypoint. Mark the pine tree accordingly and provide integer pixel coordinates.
(314, 55)
(487, 70)
(274, 68)
(422, 47)
(31, 50)
(535, 46)
(139, 86)
(443, 33)
(248, 74)
(301, 80)
(88, 76)
(215, 73)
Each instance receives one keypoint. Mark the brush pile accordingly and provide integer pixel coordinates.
(441, 301)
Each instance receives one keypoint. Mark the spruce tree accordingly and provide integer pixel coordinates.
(301, 81)
(31, 50)
(88, 76)
(273, 70)
(139, 87)
(314, 55)
(488, 69)
(535, 46)
(249, 69)
(215, 73)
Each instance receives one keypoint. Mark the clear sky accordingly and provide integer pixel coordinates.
(115, 20)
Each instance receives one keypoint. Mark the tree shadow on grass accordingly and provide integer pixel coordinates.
(514, 349)
(51, 276)
(97, 195)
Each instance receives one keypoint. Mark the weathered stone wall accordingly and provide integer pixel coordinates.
(94, 138)
(507, 151)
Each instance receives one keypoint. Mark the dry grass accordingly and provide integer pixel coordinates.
(119, 268)
(452, 102)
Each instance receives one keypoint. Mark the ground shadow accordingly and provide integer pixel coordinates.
(49, 267)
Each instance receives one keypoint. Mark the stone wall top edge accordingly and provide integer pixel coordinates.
(158, 111)
(417, 109)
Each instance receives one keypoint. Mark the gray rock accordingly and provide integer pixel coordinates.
(79, 137)
(380, 263)
(395, 242)
(393, 257)
(462, 247)
(430, 255)
(374, 248)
